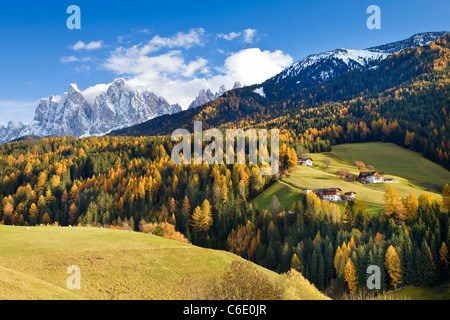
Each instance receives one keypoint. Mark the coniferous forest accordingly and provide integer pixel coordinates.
(120, 181)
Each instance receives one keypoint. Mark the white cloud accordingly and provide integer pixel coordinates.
(82, 69)
(92, 92)
(247, 36)
(181, 40)
(161, 65)
(179, 81)
(93, 45)
(252, 66)
(145, 30)
(70, 59)
(229, 36)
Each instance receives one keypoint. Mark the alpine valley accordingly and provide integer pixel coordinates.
(122, 107)
(231, 233)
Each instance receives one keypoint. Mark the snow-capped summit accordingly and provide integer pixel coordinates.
(417, 40)
(321, 67)
(72, 115)
(67, 117)
(121, 107)
(205, 96)
(11, 131)
(237, 85)
(222, 90)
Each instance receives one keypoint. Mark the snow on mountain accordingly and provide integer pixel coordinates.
(121, 107)
(321, 67)
(237, 85)
(206, 96)
(11, 131)
(118, 107)
(260, 91)
(68, 117)
(417, 40)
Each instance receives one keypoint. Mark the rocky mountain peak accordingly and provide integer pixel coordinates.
(116, 108)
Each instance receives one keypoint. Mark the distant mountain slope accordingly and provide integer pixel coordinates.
(409, 90)
(245, 102)
(318, 68)
(118, 107)
(205, 96)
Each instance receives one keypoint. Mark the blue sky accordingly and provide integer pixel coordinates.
(175, 48)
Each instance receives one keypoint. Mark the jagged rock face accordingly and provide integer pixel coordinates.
(237, 85)
(205, 96)
(68, 117)
(116, 108)
(11, 131)
(121, 107)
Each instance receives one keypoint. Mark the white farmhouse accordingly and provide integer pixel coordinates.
(306, 162)
(371, 177)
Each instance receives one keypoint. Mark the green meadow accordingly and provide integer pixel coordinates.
(441, 292)
(114, 265)
(411, 173)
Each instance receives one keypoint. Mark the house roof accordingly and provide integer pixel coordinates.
(371, 173)
(332, 191)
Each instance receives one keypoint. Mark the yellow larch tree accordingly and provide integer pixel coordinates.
(393, 266)
(350, 275)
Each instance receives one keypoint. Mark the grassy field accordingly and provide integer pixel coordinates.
(114, 264)
(419, 293)
(395, 160)
(411, 172)
(284, 192)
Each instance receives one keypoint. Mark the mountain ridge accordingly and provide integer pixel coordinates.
(249, 100)
(321, 67)
(205, 96)
(403, 100)
(118, 107)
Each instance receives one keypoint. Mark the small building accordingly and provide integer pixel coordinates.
(349, 196)
(389, 180)
(371, 177)
(306, 162)
(332, 194)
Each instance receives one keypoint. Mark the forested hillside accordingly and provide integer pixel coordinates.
(131, 182)
(404, 99)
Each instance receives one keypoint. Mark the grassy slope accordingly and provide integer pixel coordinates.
(419, 293)
(114, 264)
(413, 172)
(395, 160)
